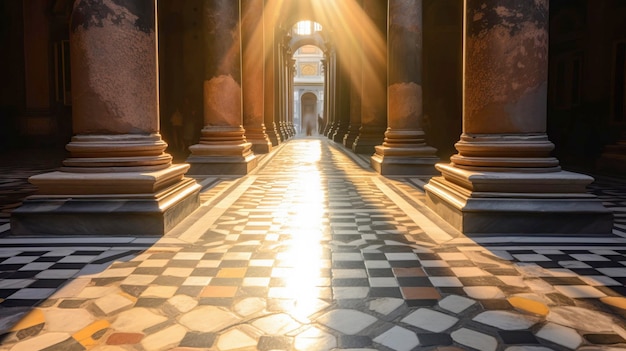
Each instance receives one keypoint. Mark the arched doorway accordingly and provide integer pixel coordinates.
(307, 51)
(308, 113)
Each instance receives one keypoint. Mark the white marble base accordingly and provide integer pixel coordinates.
(107, 214)
(222, 165)
(523, 203)
(392, 165)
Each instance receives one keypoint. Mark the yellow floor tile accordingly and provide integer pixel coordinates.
(219, 291)
(84, 336)
(33, 318)
(619, 302)
(528, 305)
(238, 272)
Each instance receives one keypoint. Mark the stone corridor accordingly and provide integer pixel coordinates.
(313, 250)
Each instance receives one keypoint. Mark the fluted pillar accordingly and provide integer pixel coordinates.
(503, 179)
(223, 148)
(117, 179)
(253, 75)
(404, 150)
(374, 98)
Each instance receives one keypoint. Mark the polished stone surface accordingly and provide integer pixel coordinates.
(315, 251)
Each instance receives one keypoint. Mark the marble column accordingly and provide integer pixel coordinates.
(332, 90)
(323, 128)
(38, 119)
(504, 179)
(117, 179)
(342, 107)
(269, 93)
(223, 148)
(282, 92)
(612, 160)
(252, 75)
(291, 71)
(404, 150)
(374, 98)
(356, 88)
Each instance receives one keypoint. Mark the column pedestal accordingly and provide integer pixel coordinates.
(117, 203)
(273, 135)
(283, 132)
(118, 180)
(100, 191)
(350, 137)
(403, 157)
(260, 141)
(211, 165)
(222, 150)
(340, 134)
(551, 203)
(367, 140)
(503, 179)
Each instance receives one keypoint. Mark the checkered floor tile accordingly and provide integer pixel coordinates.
(312, 252)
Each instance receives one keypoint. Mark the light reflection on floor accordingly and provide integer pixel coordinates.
(258, 275)
(306, 216)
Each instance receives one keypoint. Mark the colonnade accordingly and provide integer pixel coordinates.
(502, 179)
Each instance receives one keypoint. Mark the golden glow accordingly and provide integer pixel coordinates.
(302, 262)
(354, 34)
(348, 27)
(306, 27)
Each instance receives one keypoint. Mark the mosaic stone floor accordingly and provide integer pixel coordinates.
(15, 168)
(315, 251)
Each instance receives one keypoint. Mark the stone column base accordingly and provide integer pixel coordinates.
(261, 146)
(339, 135)
(222, 165)
(260, 141)
(224, 159)
(404, 161)
(350, 137)
(366, 145)
(517, 203)
(102, 210)
(274, 137)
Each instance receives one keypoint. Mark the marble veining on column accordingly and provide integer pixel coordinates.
(504, 178)
(506, 70)
(117, 179)
(223, 148)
